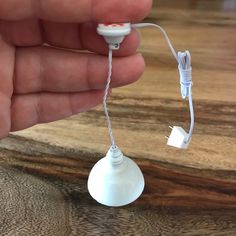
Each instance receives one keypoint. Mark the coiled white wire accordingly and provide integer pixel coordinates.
(185, 70)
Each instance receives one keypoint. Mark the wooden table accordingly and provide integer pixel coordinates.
(44, 170)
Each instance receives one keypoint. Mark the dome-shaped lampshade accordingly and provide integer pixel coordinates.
(115, 180)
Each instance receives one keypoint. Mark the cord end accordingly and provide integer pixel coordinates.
(178, 138)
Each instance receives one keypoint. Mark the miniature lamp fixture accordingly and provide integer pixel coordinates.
(116, 180)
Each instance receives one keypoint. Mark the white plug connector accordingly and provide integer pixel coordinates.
(114, 34)
(179, 138)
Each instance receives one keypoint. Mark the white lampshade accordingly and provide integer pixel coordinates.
(115, 180)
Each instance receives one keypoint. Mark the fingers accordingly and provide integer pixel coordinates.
(22, 33)
(46, 69)
(7, 61)
(75, 10)
(84, 36)
(66, 35)
(31, 109)
(5, 116)
(7, 54)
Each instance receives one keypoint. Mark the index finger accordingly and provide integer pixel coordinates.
(76, 10)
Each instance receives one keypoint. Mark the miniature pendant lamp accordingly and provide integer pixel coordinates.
(116, 180)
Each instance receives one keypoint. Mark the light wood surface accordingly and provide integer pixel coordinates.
(44, 169)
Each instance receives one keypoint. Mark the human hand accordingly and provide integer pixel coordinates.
(42, 83)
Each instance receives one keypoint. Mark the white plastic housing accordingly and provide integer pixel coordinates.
(114, 33)
(114, 30)
(115, 180)
(178, 138)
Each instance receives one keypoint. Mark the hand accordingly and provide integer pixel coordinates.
(41, 83)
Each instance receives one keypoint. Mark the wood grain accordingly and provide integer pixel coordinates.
(44, 170)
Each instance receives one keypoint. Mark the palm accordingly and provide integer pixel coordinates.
(43, 80)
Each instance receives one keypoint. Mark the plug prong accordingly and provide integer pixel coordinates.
(167, 137)
(171, 127)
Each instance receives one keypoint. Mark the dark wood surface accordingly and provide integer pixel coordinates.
(44, 170)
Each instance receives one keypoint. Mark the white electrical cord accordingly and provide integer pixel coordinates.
(185, 70)
(105, 99)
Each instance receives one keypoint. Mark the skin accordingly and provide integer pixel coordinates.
(43, 83)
